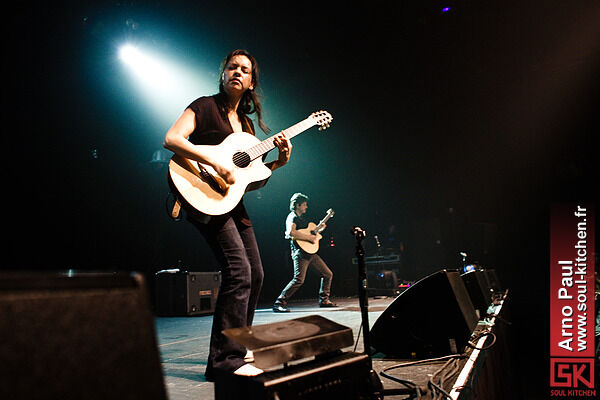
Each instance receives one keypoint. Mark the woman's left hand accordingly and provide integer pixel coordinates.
(285, 149)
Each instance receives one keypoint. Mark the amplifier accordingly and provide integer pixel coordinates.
(380, 259)
(182, 293)
(382, 283)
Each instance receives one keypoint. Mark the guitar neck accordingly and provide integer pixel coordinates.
(267, 145)
(323, 221)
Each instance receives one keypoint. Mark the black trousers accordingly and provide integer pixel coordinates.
(234, 245)
(301, 263)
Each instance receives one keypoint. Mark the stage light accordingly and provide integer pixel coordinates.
(445, 9)
(150, 69)
(164, 85)
(128, 54)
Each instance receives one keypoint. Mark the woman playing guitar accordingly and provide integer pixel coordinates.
(207, 121)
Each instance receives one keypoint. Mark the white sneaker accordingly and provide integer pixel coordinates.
(249, 357)
(248, 370)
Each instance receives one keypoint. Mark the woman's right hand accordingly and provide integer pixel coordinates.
(224, 168)
(177, 141)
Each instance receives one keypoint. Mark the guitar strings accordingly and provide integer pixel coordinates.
(266, 145)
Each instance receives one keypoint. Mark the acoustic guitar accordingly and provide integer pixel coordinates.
(205, 190)
(307, 246)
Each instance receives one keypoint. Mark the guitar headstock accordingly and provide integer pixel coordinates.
(322, 118)
(330, 212)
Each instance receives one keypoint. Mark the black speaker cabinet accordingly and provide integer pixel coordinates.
(186, 293)
(344, 376)
(82, 336)
(382, 283)
(493, 281)
(479, 289)
(433, 317)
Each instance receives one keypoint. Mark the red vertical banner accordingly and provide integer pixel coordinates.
(572, 313)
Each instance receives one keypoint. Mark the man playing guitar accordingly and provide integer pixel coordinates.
(302, 260)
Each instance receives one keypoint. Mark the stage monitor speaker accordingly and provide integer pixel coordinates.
(186, 293)
(295, 339)
(77, 336)
(480, 291)
(493, 281)
(345, 376)
(433, 317)
(302, 359)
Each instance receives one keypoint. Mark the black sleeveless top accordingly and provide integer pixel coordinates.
(212, 127)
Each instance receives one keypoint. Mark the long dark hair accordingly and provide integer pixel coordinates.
(250, 102)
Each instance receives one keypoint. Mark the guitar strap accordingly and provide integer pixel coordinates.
(249, 127)
(176, 208)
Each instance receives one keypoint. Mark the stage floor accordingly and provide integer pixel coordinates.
(183, 344)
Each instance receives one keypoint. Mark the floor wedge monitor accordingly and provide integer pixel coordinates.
(433, 317)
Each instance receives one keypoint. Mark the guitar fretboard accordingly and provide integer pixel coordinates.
(324, 220)
(267, 145)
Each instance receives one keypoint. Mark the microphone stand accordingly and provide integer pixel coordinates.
(363, 298)
(376, 384)
(378, 391)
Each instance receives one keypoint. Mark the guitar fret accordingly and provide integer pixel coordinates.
(267, 145)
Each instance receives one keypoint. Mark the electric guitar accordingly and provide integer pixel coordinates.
(205, 190)
(309, 247)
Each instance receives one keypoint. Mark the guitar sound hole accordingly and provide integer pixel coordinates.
(241, 159)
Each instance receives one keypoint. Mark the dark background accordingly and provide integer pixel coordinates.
(459, 128)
